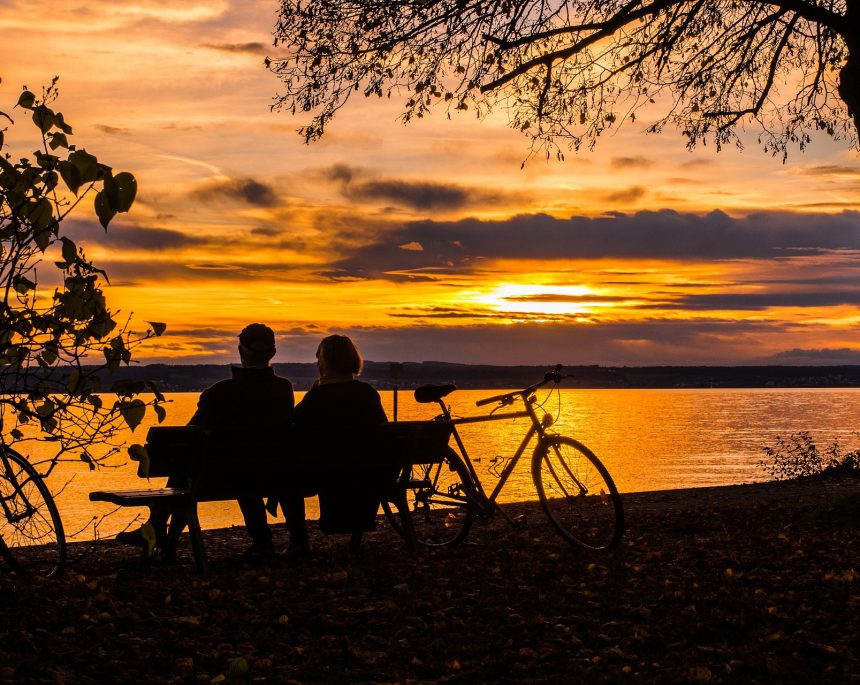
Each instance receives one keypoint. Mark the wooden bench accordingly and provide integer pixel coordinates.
(352, 471)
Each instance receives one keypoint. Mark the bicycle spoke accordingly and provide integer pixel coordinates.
(577, 493)
(30, 526)
(438, 502)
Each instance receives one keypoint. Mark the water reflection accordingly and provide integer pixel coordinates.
(649, 440)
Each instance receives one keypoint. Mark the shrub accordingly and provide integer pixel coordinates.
(798, 457)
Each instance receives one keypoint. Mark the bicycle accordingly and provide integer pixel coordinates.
(575, 490)
(32, 540)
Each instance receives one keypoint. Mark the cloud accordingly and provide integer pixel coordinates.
(816, 357)
(759, 301)
(252, 48)
(246, 190)
(357, 186)
(465, 246)
(416, 195)
(831, 170)
(267, 231)
(616, 344)
(164, 270)
(112, 130)
(631, 163)
(131, 237)
(627, 195)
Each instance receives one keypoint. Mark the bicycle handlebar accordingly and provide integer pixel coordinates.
(554, 376)
(507, 398)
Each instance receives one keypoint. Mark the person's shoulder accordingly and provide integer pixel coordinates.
(218, 388)
(367, 386)
(286, 382)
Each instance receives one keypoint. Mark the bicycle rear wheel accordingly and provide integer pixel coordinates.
(32, 540)
(577, 493)
(438, 499)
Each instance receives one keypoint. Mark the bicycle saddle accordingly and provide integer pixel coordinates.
(432, 393)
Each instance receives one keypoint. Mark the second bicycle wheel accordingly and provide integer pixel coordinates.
(437, 496)
(31, 532)
(577, 493)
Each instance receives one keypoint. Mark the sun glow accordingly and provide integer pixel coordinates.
(522, 298)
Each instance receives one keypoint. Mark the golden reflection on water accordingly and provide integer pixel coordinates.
(648, 439)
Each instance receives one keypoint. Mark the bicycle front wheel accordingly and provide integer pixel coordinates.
(32, 540)
(438, 501)
(577, 493)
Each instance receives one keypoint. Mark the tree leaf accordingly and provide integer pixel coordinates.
(23, 285)
(70, 175)
(70, 250)
(137, 452)
(157, 327)
(103, 208)
(132, 412)
(87, 459)
(26, 100)
(86, 164)
(60, 123)
(43, 117)
(121, 190)
(59, 140)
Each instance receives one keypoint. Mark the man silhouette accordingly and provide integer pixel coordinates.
(251, 401)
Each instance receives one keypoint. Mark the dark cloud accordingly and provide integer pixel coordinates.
(166, 270)
(247, 190)
(421, 195)
(131, 237)
(112, 130)
(463, 246)
(759, 301)
(631, 163)
(626, 195)
(697, 164)
(415, 195)
(815, 357)
(706, 342)
(617, 344)
(831, 170)
(253, 48)
(267, 232)
(341, 173)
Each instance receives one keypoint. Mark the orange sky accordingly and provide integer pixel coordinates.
(427, 241)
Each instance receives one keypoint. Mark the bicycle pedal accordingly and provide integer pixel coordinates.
(483, 516)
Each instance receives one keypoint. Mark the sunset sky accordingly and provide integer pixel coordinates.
(427, 241)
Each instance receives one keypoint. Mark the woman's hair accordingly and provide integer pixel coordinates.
(340, 355)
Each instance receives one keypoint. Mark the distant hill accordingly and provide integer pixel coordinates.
(180, 378)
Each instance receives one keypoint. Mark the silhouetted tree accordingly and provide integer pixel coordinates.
(57, 337)
(568, 70)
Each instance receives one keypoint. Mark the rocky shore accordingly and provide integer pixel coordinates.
(743, 584)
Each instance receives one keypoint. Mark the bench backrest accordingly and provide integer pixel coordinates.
(268, 461)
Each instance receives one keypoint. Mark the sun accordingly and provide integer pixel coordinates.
(524, 298)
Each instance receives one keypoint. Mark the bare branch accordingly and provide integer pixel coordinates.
(564, 69)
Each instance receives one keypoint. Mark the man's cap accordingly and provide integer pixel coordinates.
(257, 337)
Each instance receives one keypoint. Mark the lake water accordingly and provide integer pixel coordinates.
(649, 440)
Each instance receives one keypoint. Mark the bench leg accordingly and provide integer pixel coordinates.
(402, 505)
(197, 545)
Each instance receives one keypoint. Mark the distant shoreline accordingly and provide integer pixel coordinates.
(194, 378)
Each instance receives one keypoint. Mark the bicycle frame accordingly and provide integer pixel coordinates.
(537, 428)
